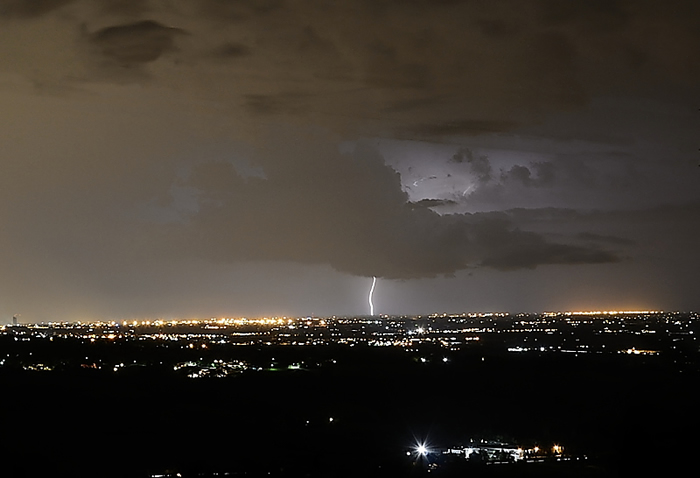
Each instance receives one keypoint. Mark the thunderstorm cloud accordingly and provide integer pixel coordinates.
(149, 148)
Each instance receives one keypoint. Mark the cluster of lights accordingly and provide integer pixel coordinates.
(493, 450)
(471, 315)
(452, 332)
(635, 351)
(602, 312)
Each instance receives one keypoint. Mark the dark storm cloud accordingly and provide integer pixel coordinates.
(136, 43)
(545, 171)
(531, 252)
(642, 234)
(309, 209)
(479, 165)
(545, 215)
(287, 103)
(461, 128)
(597, 15)
(238, 10)
(30, 8)
(518, 173)
(386, 69)
(497, 28)
(427, 203)
(605, 239)
(544, 174)
(505, 246)
(659, 239)
(463, 154)
(36, 8)
(418, 69)
(231, 51)
(125, 7)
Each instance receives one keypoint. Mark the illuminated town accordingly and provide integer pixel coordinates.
(601, 332)
(445, 394)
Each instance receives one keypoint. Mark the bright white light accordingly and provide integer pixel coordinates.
(371, 293)
(422, 450)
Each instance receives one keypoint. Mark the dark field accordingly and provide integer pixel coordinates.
(626, 414)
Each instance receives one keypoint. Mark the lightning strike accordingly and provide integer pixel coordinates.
(371, 293)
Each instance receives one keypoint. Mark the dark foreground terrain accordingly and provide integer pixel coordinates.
(346, 412)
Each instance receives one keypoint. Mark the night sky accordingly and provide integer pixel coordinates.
(177, 158)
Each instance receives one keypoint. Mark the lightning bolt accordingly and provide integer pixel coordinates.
(371, 293)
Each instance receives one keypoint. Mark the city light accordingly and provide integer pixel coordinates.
(643, 336)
